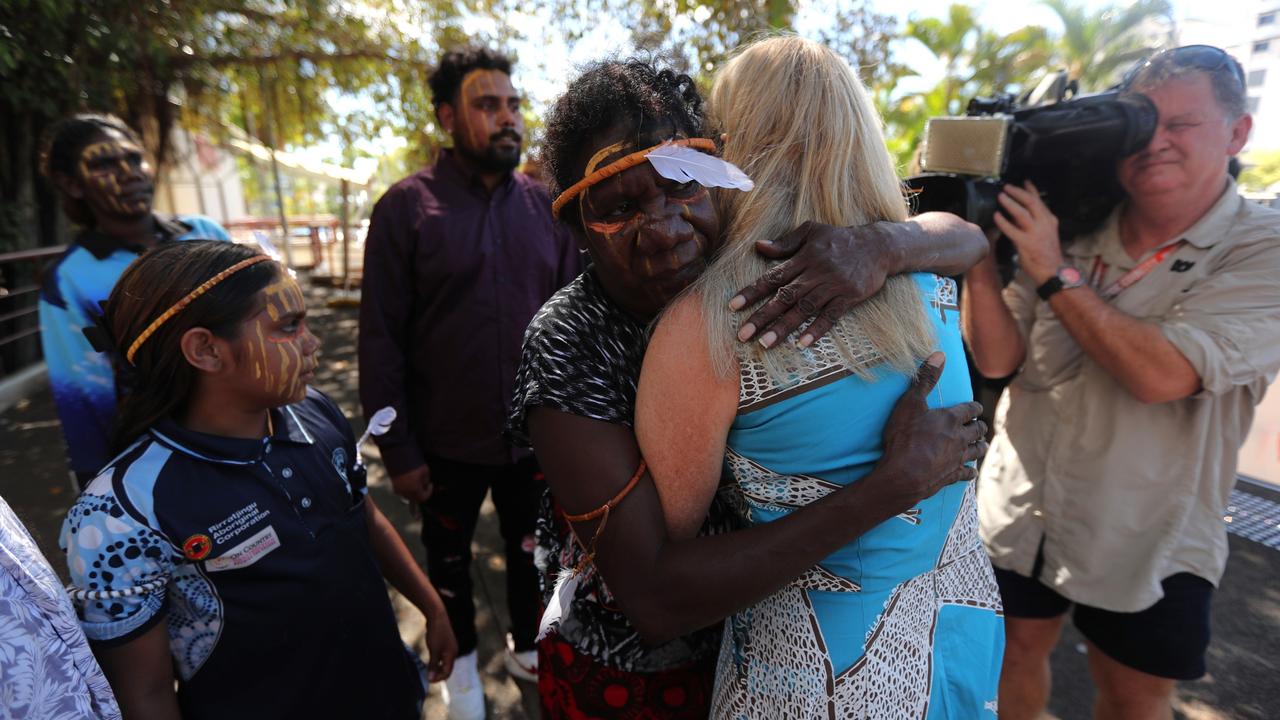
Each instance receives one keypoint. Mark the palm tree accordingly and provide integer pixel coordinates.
(1095, 47)
(951, 41)
(976, 62)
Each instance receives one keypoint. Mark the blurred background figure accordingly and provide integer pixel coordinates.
(106, 183)
(458, 259)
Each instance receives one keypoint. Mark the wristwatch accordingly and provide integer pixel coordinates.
(1066, 278)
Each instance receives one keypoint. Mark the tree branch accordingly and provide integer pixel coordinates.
(229, 59)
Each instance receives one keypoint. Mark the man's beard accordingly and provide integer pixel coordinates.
(493, 159)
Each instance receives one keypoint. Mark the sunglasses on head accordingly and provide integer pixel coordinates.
(1201, 57)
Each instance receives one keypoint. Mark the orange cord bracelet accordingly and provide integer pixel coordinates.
(602, 511)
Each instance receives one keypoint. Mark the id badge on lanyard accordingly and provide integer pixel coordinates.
(1133, 276)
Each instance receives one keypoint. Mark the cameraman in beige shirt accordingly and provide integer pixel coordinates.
(1141, 350)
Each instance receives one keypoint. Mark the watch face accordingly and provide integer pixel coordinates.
(1070, 276)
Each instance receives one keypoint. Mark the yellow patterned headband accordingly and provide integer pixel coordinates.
(190, 297)
(621, 164)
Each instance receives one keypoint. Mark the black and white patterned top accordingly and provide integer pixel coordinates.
(582, 355)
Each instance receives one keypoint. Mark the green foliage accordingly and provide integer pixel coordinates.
(295, 72)
(976, 61)
(1095, 47)
(287, 72)
(697, 36)
(1262, 171)
(263, 65)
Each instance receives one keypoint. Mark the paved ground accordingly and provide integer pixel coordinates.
(1244, 658)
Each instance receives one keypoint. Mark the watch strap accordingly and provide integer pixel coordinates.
(1049, 287)
(1065, 278)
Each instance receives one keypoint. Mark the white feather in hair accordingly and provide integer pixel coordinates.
(682, 164)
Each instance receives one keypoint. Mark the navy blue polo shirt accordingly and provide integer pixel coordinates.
(257, 554)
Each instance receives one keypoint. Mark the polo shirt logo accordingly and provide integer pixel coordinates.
(248, 552)
(197, 547)
(1181, 266)
(340, 463)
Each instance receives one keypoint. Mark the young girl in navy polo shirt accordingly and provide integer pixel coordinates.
(231, 544)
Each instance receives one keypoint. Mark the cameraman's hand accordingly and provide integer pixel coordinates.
(828, 270)
(1032, 228)
(926, 450)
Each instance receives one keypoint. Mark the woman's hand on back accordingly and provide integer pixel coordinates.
(928, 449)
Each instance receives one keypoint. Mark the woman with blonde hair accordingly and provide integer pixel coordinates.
(904, 621)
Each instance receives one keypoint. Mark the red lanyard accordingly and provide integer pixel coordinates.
(1134, 275)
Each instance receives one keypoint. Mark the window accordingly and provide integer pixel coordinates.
(1257, 77)
(1261, 47)
(1252, 105)
(1266, 19)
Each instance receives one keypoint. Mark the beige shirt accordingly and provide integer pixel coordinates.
(1124, 494)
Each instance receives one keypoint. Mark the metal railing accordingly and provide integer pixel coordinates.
(20, 275)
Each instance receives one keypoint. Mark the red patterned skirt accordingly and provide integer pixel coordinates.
(573, 686)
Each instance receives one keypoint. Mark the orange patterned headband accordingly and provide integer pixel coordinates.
(621, 164)
(203, 288)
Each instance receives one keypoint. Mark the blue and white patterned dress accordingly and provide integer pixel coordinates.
(46, 668)
(905, 621)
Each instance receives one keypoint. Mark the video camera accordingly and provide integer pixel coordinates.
(1067, 147)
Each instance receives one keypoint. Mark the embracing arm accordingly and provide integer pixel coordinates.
(829, 270)
(402, 571)
(669, 585)
(936, 242)
(140, 672)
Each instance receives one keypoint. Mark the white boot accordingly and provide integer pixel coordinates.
(520, 665)
(463, 692)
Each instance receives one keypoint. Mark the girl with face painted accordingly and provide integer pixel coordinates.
(106, 184)
(903, 618)
(231, 544)
(633, 610)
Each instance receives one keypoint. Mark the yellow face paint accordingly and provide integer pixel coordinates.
(599, 158)
(487, 105)
(116, 175)
(278, 344)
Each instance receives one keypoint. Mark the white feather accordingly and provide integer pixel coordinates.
(682, 164)
(558, 606)
(379, 424)
(381, 421)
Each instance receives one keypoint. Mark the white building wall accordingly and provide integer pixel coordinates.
(1260, 56)
(201, 179)
(1243, 29)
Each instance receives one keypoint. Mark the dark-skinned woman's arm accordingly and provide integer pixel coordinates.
(667, 587)
(827, 270)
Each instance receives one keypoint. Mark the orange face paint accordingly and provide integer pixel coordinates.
(278, 346)
(648, 236)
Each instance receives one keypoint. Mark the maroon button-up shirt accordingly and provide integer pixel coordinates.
(452, 276)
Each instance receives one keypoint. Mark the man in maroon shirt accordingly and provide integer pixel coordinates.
(459, 258)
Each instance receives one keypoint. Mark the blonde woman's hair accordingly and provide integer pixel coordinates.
(799, 122)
